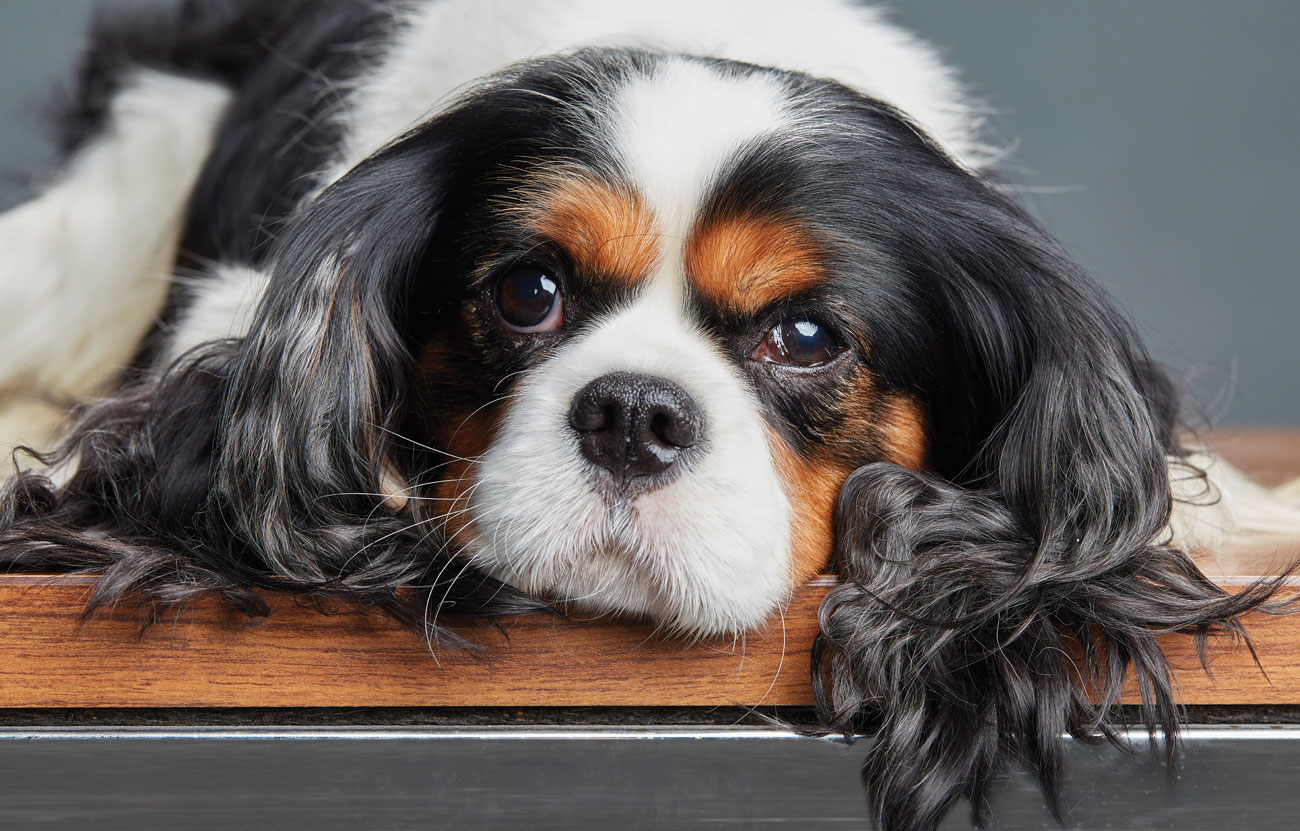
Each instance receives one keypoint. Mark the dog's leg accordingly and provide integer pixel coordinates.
(1231, 524)
(84, 266)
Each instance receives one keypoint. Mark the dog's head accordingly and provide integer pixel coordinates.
(618, 327)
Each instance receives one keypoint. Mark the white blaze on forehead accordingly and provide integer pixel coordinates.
(676, 130)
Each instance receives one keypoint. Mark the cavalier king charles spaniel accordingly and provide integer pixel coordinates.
(643, 308)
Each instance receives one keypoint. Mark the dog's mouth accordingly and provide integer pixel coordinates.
(611, 567)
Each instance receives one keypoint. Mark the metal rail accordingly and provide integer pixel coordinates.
(584, 777)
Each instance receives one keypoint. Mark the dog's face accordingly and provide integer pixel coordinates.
(618, 329)
(640, 346)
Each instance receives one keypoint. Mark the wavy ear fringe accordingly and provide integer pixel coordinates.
(969, 647)
(117, 496)
(127, 495)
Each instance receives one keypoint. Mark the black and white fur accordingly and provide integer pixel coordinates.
(262, 203)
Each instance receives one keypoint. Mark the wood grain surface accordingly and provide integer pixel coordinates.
(298, 657)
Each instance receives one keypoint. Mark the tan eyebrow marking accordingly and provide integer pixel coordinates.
(606, 228)
(745, 262)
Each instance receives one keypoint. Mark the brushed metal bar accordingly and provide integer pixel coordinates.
(586, 778)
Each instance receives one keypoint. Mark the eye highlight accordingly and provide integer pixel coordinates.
(528, 300)
(797, 342)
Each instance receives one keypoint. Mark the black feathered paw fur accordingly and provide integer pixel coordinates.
(972, 646)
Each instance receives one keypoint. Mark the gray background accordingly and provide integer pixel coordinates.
(1157, 138)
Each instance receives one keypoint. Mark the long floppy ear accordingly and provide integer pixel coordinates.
(996, 602)
(307, 472)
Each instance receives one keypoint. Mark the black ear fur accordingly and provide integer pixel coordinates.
(994, 605)
(317, 392)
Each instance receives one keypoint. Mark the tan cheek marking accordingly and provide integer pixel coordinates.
(467, 439)
(892, 422)
(896, 430)
(812, 488)
(902, 433)
(746, 263)
(607, 230)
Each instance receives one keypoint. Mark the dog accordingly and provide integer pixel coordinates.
(647, 309)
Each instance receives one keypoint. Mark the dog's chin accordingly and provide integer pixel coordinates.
(633, 560)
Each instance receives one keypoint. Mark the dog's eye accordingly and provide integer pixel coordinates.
(797, 343)
(529, 300)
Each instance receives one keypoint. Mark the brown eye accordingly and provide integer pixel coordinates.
(797, 343)
(529, 300)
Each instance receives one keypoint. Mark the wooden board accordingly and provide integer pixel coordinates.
(299, 658)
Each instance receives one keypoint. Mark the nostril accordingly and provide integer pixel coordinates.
(594, 410)
(592, 416)
(675, 428)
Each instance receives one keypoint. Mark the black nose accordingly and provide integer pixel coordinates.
(637, 427)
